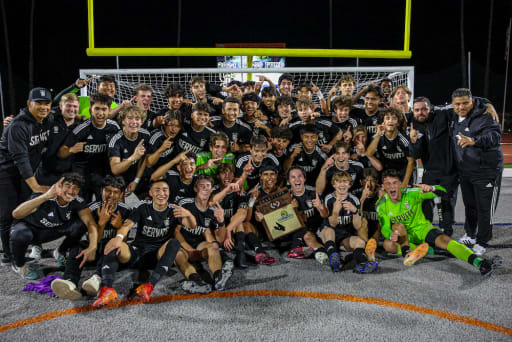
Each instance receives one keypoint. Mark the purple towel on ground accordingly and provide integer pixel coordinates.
(43, 286)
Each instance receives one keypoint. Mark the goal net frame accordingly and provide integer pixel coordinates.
(323, 77)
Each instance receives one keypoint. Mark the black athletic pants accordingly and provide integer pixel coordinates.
(450, 183)
(13, 191)
(24, 234)
(480, 196)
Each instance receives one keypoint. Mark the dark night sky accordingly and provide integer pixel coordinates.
(60, 37)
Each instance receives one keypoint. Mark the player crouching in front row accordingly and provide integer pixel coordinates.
(340, 228)
(403, 223)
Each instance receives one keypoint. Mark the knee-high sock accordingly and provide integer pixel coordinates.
(254, 242)
(463, 253)
(109, 268)
(166, 261)
(239, 241)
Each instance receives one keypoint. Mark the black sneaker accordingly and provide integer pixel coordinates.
(6, 260)
(488, 267)
(241, 260)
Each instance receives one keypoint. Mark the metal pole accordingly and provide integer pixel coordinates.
(357, 74)
(506, 76)
(469, 70)
(2, 97)
(178, 38)
(330, 30)
(118, 81)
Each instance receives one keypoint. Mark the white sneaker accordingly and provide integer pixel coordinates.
(478, 250)
(322, 258)
(36, 252)
(92, 285)
(467, 240)
(65, 289)
(61, 259)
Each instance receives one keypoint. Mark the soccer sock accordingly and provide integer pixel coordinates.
(360, 255)
(165, 262)
(254, 242)
(72, 270)
(464, 253)
(330, 247)
(240, 241)
(297, 239)
(109, 268)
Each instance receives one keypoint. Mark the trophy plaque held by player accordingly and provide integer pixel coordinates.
(280, 217)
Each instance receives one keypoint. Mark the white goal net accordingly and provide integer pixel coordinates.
(325, 78)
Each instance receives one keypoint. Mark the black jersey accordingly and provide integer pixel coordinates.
(256, 130)
(51, 215)
(22, 143)
(355, 170)
(109, 231)
(148, 124)
(154, 227)
(311, 162)
(157, 139)
(350, 123)
(178, 189)
(231, 203)
(313, 218)
(345, 217)
(370, 213)
(240, 131)
(254, 177)
(122, 147)
(58, 134)
(94, 158)
(326, 130)
(270, 114)
(362, 117)
(195, 141)
(393, 153)
(205, 220)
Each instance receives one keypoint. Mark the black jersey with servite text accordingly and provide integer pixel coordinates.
(313, 218)
(205, 220)
(240, 131)
(370, 213)
(122, 147)
(355, 170)
(393, 153)
(195, 141)
(51, 215)
(311, 162)
(370, 121)
(94, 158)
(109, 231)
(345, 217)
(254, 177)
(177, 187)
(154, 227)
(157, 139)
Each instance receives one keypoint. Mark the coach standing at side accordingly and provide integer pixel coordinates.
(479, 160)
(21, 147)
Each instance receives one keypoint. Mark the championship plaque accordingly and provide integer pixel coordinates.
(279, 216)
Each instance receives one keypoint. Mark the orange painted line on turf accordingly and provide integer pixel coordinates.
(271, 293)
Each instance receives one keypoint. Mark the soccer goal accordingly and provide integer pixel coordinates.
(324, 77)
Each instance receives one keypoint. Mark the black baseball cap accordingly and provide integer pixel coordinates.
(267, 167)
(40, 94)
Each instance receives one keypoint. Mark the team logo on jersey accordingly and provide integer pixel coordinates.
(399, 149)
(166, 222)
(235, 136)
(203, 142)
(56, 130)
(309, 204)
(68, 215)
(50, 214)
(466, 129)
(125, 151)
(406, 204)
(314, 162)
(207, 221)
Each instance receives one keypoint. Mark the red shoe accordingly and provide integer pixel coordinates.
(296, 253)
(264, 259)
(107, 295)
(416, 254)
(144, 291)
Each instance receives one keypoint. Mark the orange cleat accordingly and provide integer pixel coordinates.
(371, 246)
(144, 291)
(107, 295)
(416, 254)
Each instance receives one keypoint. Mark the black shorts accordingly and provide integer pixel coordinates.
(432, 236)
(143, 256)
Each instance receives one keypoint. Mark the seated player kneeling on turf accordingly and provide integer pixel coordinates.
(199, 241)
(403, 223)
(341, 227)
(109, 214)
(308, 202)
(156, 221)
(50, 216)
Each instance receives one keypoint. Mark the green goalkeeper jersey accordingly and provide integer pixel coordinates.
(204, 156)
(407, 211)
